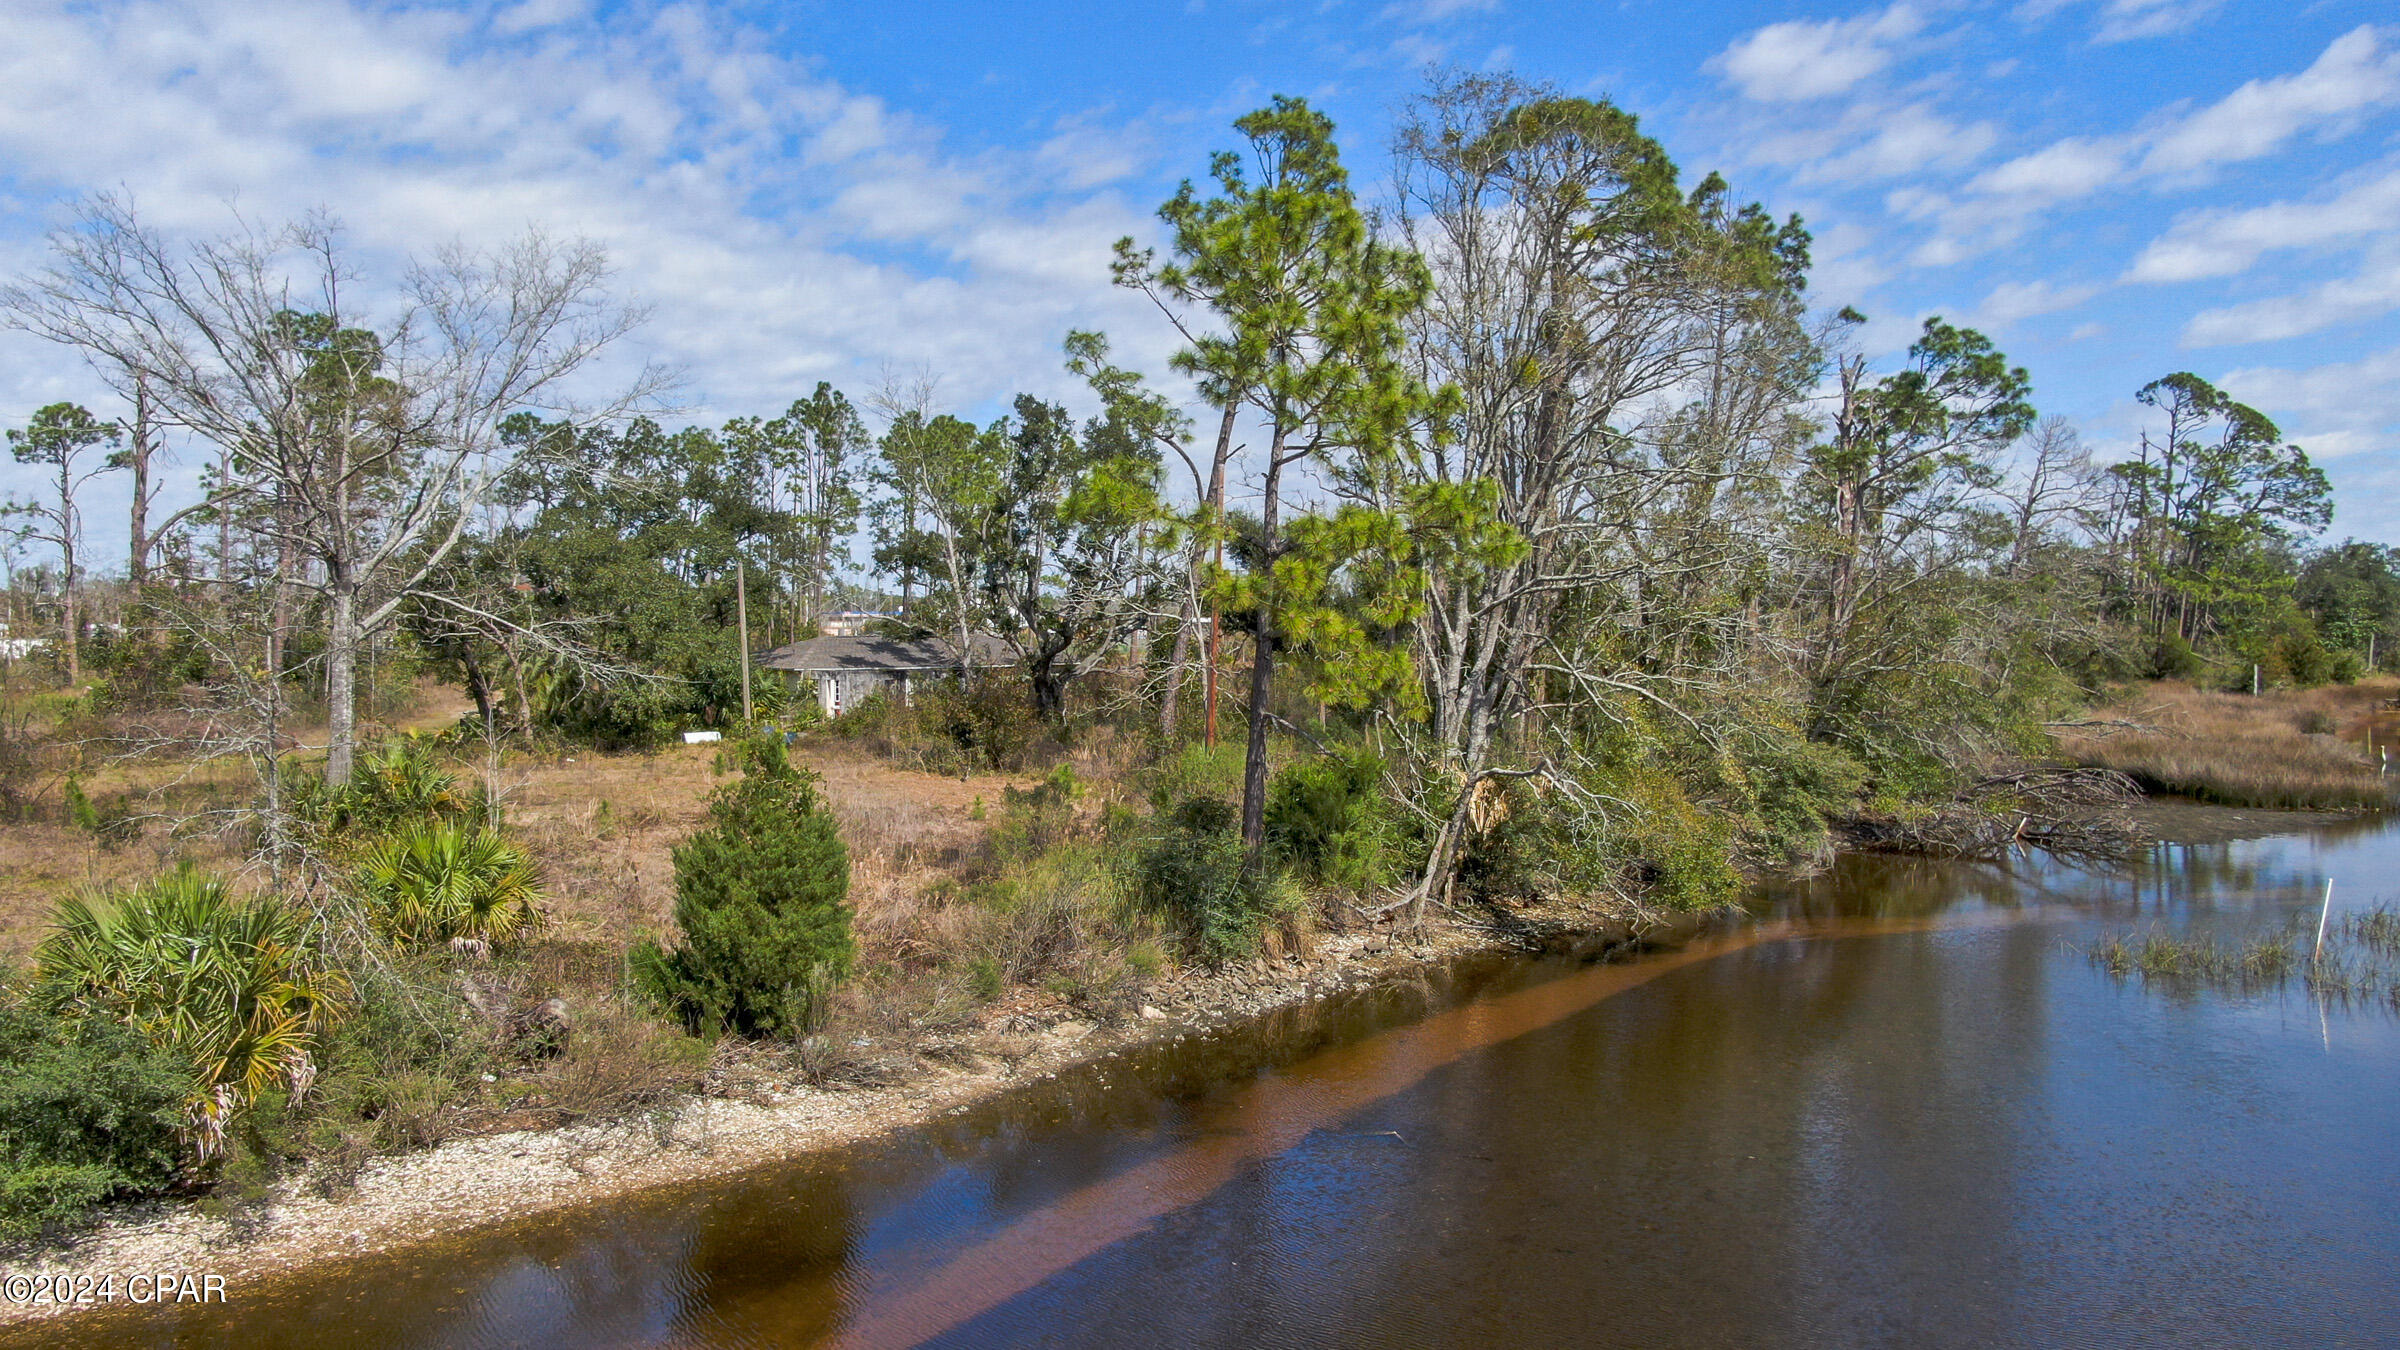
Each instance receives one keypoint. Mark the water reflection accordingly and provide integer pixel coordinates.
(1897, 1106)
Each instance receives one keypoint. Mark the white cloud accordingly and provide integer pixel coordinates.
(2336, 411)
(2222, 243)
(1804, 59)
(1907, 140)
(2013, 301)
(528, 15)
(2125, 20)
(2370, 293)
(2356, 72)
(2060, 171)
(668, 136)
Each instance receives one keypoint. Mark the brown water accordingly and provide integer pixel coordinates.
(1898, 1107)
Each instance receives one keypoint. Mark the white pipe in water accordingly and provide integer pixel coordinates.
(2324, 912)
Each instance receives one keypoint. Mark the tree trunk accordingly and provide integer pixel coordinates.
(137, 560)
(479, 687)
(341, 677)
(67, 588)
(1262, 667)
(1170, 706)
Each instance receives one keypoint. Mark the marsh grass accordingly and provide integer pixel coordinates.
(2296, 750)
(2360, 961)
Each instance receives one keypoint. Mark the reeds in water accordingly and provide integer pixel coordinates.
(2360, 960)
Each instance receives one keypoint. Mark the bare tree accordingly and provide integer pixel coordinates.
(2057, 491)
(368, 447)
(1622, 356)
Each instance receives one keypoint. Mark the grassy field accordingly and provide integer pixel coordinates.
(2287, 749)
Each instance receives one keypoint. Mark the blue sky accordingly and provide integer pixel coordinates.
(2114, 189)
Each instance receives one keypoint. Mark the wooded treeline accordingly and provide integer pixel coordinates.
(1537, 479)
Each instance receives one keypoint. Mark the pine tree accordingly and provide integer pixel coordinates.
(761, 895)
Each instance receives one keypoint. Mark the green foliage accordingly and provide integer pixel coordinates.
(1796, 789)
(761, 897)
(1194, 770)
(89, 1110)
(1195, 873)
(111, 822)
(1325, 820)
(983, 725)
(236, 990)
(632, 536)
(397, 789)
(2353, 590)
(447, 880)
(2172, 658)
(1037, 819)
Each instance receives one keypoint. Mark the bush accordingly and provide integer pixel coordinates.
(1196, 873)
(89, 1111)
(444, 881)
(2173, 659)
(235, 990)
(950, 727)
(761, 895)
(1324, 818)
(1196, 770)
(111, 822)
(1798, 788)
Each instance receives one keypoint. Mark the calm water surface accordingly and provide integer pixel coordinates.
(1898, 1108)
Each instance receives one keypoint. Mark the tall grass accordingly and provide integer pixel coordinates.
(2360, 960)
(2287, 750)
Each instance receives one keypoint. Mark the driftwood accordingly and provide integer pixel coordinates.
(2072, 811)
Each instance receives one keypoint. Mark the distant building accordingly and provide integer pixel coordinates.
(840, 671)
(848, 623)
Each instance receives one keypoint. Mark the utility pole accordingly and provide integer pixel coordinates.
(741, 619)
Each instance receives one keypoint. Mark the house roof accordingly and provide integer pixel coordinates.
(867, 652)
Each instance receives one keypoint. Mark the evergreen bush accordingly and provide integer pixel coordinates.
(1195, 872)
(761, 895)
(89, 1110)
(1324, 818)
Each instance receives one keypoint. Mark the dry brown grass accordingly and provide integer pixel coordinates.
(2288, 749)
(604, 827)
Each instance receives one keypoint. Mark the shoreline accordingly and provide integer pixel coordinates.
(465, 1185)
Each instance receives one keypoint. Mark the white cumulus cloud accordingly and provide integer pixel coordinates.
(1814, 58)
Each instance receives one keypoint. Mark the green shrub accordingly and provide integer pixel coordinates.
(951, 727)
(401, 786)
(761, 895)
(111, 822)
(1797, 789)
(1195, 770)
(2172, 658)
(1325, 819)
(1037, 819)
(236, 990)
(1195, 873)
(89, 1110)
(445, 880)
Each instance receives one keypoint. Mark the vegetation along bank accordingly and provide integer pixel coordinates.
(1533, 556)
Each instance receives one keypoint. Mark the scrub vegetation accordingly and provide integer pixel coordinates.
(2360, 960)
(1529, 541)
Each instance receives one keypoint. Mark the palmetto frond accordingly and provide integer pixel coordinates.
(233, 987)
(444, 880)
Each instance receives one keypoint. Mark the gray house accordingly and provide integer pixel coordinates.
(840, 671)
